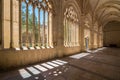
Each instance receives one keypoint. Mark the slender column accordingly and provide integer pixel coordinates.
(27, 25)
(64, 31)
(43, 29)
(102, 40)
(48, 30)
(74, 32)
(70, 34)
(39, 43)
(67, 32)
(99, 40)
(94, 40)
(33, 28)
(20, 22)
(15, 24)
(77, 34)
(66, 39)
(11, 24)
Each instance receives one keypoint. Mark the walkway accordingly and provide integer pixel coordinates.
(101, 64)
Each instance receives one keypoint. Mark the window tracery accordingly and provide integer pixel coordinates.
(36, 23)
(71, 28)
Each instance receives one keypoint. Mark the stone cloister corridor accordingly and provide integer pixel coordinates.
(59, 39)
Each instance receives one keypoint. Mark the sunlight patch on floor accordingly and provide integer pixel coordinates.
(33, 70)
(78, 56)
(24, 73)
(38, 69)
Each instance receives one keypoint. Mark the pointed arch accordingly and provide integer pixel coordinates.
(71, 15)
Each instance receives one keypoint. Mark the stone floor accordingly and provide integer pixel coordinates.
(100, 64)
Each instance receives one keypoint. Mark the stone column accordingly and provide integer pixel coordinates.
(73, 34)
(27, 45)
(102, 40)
(92, 39)
(39, 37)
(6, 24)
(77, 35)
(1, 16)
(33, 28)
(98, 40)
(72, 31)
(82, 33)
(15, 24)
(43, 42)
(69, 33)
(66, 32)
(50, 30)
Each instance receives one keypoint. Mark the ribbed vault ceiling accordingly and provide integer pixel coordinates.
(103, 11)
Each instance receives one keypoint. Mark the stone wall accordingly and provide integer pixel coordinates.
(12, 58)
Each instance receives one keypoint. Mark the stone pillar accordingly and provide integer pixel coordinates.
(50, 30)
(77, 35)
(1, 9)
(10, 23)
(82, 33)
(74, 33)
(102, 40)
(6, 23)
(98, 40)
(15, 24)
(92, 39)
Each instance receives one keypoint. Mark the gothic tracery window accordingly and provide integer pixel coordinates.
(71, 28)
(36, 23)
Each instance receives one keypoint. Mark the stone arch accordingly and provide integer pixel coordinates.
(102, 10)
(71, 23)
(106, 18)
(106, 4)
(111, 19)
